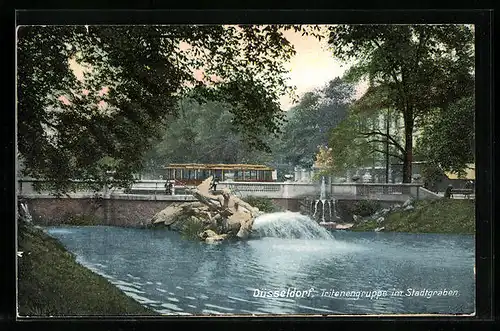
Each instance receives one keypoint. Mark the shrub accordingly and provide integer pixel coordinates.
(190, 227)
(264, 204)
(366, 207)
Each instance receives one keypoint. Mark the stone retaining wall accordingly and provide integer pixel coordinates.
(116, 212)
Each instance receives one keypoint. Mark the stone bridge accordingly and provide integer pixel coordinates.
(273, 190)
(136, 206)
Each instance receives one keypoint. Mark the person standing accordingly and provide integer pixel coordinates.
(448, 193)
(213, 185)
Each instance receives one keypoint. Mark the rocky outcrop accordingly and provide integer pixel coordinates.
(216, 216)
(380, 216)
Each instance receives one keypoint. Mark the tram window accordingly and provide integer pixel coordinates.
(253, 175)
(268, 175)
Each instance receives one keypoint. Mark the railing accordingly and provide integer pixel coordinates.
(292, 189)
(26, 186)
(270, 189)
(257, 187)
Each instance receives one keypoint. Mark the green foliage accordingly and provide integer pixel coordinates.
(264, 204)
(413, 69)
(348, 148)
(364, 208)
(430, 216)
(203, 133)
(147, 70)
(448, 139)
(310, 122)
(191, 227)
(431, 174)
(51, 282)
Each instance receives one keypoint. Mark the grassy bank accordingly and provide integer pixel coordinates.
(51, 282)
(429, 216)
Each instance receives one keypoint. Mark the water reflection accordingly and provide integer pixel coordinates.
(173, 275)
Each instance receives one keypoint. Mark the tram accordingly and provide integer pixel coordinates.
(195, 173)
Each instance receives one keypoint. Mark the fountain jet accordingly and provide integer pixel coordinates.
(288, 225)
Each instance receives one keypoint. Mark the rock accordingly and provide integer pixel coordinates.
(409, 207)
(233, 223)
(246, 228)
(379, 229)
(385, 211)
(408, 202)
(210, 236)
(207, 233)
(216, 239)
(204, 187)
(182, 221)
(168, 215)
(380, 220)
(344, 226)
(215, 210)
(355, 218)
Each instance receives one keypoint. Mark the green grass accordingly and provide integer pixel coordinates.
(191, 228)
(51, 282)
(429, 216)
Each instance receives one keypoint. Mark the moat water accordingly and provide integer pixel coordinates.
(290, 266)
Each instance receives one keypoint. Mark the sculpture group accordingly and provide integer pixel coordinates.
(216, 216)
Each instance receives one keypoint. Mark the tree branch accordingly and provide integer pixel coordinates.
(392, 140)
(382, 141)
(385, 153)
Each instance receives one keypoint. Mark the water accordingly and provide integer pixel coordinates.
(288, 225)
(173, 275)
(324, 209)
(322, 193)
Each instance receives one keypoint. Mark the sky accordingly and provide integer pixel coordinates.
(312, 66)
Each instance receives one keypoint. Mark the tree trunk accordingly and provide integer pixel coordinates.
(408, 156)
(387, 132)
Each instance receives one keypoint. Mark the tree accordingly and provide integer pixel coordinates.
(348, 149)
(448, 138)
(311, 121)
(203, 133)
(415, 68)
(71, 128)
